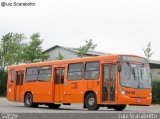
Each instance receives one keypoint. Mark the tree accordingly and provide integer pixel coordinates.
(82, 50)
(33, 50)
(148, 51)
(11, 48)
(60, 56)
(1, 56)
(18, 47)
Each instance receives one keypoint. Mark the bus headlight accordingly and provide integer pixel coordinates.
(150, 94)
(123, 91)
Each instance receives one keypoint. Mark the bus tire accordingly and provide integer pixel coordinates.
(91, 102)
(28, 101)
(54, 106)
(119, 107)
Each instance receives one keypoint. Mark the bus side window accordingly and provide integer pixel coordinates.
(12, 75)
(92, 70)
(75, 71)
(32, 74)
(45, 73)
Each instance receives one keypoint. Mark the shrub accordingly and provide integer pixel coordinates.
(3, 83)
(156, 91)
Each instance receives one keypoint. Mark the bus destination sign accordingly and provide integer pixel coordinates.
(133, 59)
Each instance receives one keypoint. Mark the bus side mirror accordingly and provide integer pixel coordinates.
(119, 67)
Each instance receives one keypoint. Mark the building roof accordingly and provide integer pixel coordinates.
(90, 52)
(154, 64)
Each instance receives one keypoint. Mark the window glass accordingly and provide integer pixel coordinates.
(75, 71)
(22, 77)
(105, 73)
(92, 70)
(59, 76)
(18, 82)
(62, 76)
(113, 73)
(12, 75)
(31, 74)
(45, 73)
(135, 75)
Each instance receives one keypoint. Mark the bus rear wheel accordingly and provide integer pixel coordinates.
(54, 106)
(91, 102)
(28, 101)
(119, 107)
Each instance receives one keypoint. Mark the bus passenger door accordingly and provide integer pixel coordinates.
(109, 83)
(11, 86)
(19, 83)
(59, 85)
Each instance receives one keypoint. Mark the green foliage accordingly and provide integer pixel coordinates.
(11, 48)
(148, 51)
(60, 56)
(13, 51)
(82, 51)
(3, 83)
(33, 50)
(155, 92)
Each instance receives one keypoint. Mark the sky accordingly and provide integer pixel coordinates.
(116, 26)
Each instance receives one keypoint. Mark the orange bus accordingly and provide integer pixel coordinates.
(113, 81)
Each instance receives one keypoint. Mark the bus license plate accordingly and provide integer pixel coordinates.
(138, 100)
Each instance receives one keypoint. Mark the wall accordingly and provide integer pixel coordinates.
(67, 54)
(155, 74)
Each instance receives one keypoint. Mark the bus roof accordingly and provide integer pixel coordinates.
(56, 62)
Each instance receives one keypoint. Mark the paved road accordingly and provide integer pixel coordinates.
(19, 108)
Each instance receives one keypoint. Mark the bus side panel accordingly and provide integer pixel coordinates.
(41, 91)
(73, 91)
(44, 92)
(94, 86)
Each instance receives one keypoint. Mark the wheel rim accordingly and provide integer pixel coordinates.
(91, 101)
(28, 100)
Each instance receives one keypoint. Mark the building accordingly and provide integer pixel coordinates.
(155, 69)
(68, 53)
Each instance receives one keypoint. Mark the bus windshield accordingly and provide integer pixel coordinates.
(135, 75)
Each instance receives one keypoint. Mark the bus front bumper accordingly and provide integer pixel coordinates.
(123, 99)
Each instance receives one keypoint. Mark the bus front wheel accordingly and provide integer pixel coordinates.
(119, 107)
(91, 102)
(28, 101)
